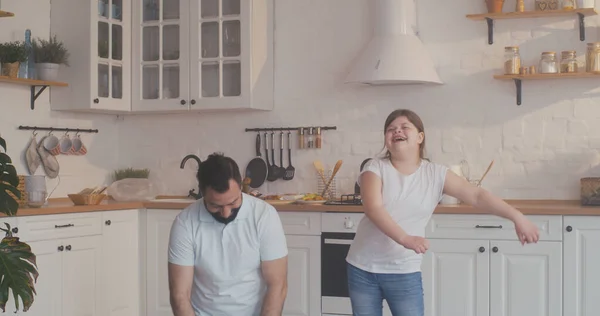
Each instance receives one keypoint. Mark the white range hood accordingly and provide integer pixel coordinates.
(395, 55)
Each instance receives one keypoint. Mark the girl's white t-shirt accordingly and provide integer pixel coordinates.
(410, 200)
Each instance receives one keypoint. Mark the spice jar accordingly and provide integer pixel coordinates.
(548, 63)
(568, 62)
(512, 60)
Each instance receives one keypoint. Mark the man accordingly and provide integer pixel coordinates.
(227, 251)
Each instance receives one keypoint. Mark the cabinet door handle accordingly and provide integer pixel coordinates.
(182, 102)
(488, 226)
(61, 248)
(495, 249)
(107, 222)
(96, 100)
(64, 226)
(569, 228)
(15, 230)
(481, 249)
(193, 102)
(68, 247)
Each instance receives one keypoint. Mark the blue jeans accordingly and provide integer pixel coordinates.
(402, 292)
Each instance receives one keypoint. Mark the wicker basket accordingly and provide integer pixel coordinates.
(590, 191)
(21, 187)
(86, 199)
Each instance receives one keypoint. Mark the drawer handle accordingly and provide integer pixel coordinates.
(68, 247)
(64, 226)
(488, 226)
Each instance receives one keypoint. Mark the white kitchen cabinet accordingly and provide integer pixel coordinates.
(581, 262)
(202, 55)
(158, 229)
(120, 263)
(472, 275)
(88, 263)
(456, 278)
(69, 280)
(302, 233)
(526, 280)
(68, 249)
(304, 276)
(98, 36)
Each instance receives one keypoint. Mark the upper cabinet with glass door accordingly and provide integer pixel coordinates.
(203, 55)
(98, 38)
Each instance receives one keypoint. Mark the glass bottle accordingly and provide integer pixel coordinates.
(512, 60)
(548, 63)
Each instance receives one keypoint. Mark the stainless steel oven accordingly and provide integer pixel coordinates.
(337, 232)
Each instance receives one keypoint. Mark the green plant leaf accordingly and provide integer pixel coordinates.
(3, 143)
(18, 271)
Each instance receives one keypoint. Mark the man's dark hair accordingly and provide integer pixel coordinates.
(216, 171)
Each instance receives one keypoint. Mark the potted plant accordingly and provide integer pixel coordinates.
(11, 56)
(49, 55)
(18, 269)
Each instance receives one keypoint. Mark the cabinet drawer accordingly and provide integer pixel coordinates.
(45, 227)
(341, 222)
(489, 227)
(301, 223)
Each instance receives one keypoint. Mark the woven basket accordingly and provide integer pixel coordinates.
(21, 187)
(590, 191)
(86, 199)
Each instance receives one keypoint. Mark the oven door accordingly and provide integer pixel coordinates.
(335, 299)
(334, 280)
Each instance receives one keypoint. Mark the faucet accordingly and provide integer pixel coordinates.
(191, 193)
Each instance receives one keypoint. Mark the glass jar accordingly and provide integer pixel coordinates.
(512, 60)
(568, 4)
(590, 57)
(568, 62)
(548, 63)
(594, 59)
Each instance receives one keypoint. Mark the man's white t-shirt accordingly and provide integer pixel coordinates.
(227, 258)
(410, 200)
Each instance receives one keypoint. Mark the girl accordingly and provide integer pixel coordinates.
(400, 191)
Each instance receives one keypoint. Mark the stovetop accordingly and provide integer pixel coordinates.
(346, 199)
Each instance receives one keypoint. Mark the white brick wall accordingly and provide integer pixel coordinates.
(76, 172)
(541, 148)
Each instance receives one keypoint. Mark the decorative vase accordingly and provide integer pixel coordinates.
(11, 69)
(47, 71)
(494, 6)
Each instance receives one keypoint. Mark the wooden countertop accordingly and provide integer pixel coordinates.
(528, 207)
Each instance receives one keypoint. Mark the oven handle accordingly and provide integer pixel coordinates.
(338, 241)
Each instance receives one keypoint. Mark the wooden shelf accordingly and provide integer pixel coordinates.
(531, 14)
(33, 84)
(4, 14)
(574, 75)
(518, 78)
(490, 17)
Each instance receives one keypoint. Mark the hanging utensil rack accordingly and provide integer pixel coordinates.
(58, 129)
(270, 129)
